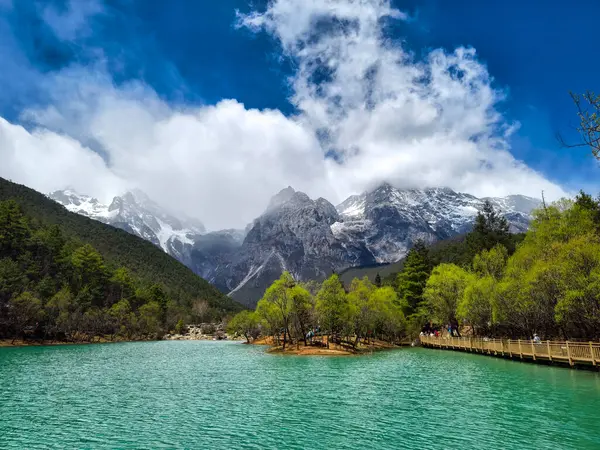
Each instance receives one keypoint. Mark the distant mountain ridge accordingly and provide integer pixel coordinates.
(309, 238)
(137, 214)
(388, 220)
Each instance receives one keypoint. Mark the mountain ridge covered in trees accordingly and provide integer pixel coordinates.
(57, 267)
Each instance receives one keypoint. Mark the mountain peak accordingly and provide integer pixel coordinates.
(281, 197)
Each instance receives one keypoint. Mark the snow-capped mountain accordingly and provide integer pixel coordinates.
(309, 238)
(293, 234)
(136, 213)
(388, 220)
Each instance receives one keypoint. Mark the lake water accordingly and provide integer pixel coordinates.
(199, 394)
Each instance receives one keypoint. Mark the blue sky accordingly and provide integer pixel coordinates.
(183, 57)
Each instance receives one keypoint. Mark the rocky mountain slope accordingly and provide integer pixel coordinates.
(389, 220)
(309, 238)
(135, 213)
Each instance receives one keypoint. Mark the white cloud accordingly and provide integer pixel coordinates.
(387, 116)
(47, 161)
(413, 123)
(219, 163)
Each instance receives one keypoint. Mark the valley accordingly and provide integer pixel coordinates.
(309, 238)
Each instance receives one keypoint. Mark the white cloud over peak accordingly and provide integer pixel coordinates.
(385, 115)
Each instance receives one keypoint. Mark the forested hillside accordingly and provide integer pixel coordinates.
(43, 246)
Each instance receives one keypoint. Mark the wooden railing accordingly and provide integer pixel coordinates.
(560, 351)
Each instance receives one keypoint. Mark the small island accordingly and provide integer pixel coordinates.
(307, 319)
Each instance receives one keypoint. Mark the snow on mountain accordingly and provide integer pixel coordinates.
(388, 220)
(136, 213)
(309, 238)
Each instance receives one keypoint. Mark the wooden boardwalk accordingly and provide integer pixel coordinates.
(567, 352)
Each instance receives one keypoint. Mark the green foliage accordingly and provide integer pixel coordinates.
(279, 295)
(332, 305)
(55, 283)
(244, 323)
(444, 289)
(303, 311)
(150, 318)
(490, 229)
(365, 312)
(145, 262)
(475, 306)
(491, 262)
(550, 285)
(413, 277)
(180, 328)
(25, 310)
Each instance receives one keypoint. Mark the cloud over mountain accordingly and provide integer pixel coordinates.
(366, 111)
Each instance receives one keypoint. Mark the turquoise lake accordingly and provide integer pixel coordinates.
(204, 394)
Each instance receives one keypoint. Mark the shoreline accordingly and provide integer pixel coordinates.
(335, 350)
(8, 343)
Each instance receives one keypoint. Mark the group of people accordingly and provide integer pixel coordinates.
(434, 333)
(431, 331)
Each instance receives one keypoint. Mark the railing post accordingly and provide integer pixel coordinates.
(471, 344)
(569, 354)
(592, 353)
(520, 350)
(509, 348)
(533, 350)
(549, 352)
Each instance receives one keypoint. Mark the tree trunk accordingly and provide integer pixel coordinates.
(284, 332)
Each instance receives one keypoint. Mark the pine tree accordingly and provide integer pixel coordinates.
(412, 279)
(489, 230)
(378, 280)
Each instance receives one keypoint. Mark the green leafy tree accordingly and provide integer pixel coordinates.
(279, 294)
(475, 305)
(270, 318)
(302, 311)
(491, 263)
(180, 327)
(444, 289)
(244, 323)
(332, 306)
(389, 318)
(124, 317)
(26, 311)
(150, 318)
(362, 312)
(122, 285)
(59, 310)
